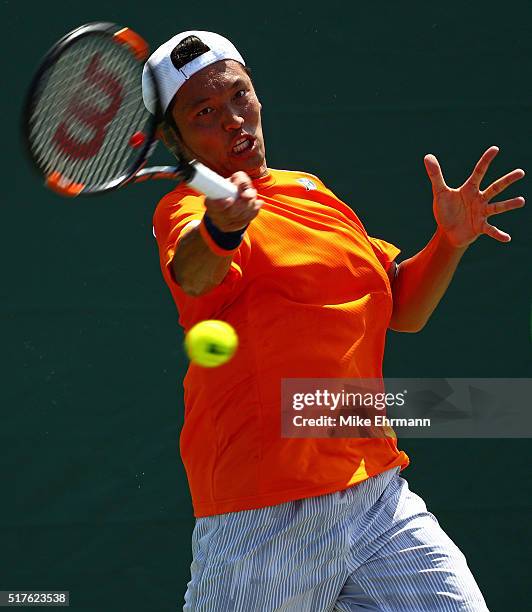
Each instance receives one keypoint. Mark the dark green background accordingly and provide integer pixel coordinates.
(94, 496)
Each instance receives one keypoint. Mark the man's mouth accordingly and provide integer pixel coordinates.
(242, 144)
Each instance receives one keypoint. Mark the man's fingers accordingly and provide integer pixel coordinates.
(435, 174)
(248, 193)
(499, 207)
(482, 167)
(243, 209)
(241, 180)
(495, 232)
(245, 185)
(232, 207)
(240, 221)
(236, 215)
(231, 215)
(501, 184)
(218, 205)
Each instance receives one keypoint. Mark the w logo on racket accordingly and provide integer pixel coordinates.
(81, 116)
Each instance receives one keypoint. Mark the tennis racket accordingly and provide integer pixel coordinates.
(85, 125)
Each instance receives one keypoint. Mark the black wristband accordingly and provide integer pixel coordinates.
(225, 240)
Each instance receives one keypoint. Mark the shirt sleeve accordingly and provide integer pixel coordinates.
(173, 218)
(384, 251)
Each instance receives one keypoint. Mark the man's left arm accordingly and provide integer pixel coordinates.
(419, 283)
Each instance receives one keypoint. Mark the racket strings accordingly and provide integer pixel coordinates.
(89, 103)
(110, 162)
(64, 89)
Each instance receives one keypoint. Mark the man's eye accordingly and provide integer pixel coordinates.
(205, 111)
(241, 93)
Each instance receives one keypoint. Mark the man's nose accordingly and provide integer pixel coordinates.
(232, 120)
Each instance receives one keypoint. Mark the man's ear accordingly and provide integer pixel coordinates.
(172, 141)
(165, 134)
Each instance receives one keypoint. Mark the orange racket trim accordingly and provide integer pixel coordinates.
(58, 183)
(136, 44)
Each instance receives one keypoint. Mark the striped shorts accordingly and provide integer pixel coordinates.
(371, 547)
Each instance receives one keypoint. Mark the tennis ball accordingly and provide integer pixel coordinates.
(211, 343)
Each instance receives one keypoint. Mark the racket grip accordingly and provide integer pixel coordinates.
(211, 184)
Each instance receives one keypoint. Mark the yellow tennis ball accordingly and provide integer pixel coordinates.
(211, 343)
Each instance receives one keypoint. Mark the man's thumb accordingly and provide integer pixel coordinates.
(434, 171)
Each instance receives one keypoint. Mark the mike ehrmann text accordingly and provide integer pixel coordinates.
(379, 420)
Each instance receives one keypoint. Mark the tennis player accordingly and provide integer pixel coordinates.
(298, 524)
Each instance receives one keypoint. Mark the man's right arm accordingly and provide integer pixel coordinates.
(196, 267)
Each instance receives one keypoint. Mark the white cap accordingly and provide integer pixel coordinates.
(169, 78)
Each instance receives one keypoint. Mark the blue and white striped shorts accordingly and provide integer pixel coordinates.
(371, 547)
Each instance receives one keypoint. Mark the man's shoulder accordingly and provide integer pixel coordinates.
(182, 200)
(181, 196)
(180, 193)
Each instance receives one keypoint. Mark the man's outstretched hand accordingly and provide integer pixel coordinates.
(462, 214)
(232, 215)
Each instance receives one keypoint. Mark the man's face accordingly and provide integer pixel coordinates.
(218, 116)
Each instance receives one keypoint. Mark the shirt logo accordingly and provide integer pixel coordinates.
(307, 183)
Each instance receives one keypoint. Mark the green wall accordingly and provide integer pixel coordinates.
(94, 496)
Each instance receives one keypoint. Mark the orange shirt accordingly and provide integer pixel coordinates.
(309, 297)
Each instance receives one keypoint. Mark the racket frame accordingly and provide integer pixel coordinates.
(139, 49)
(199, 176)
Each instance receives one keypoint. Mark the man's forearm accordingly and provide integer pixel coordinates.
(195, 267)
(421, 282)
